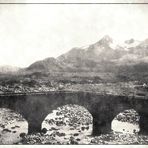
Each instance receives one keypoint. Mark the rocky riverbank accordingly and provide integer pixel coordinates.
(11, 126)
(130, 116)
(112, 138)
(70, 124)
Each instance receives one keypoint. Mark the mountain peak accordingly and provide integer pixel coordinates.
(106, 40)
(145, 42)
(92, 57)
(130, 41)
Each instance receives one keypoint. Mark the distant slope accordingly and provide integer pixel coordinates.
(8, 69)
(103, 55)
(48, 64)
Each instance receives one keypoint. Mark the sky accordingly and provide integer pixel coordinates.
(34, 32)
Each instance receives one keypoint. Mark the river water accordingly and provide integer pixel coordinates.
(125, 127)
(11, 125)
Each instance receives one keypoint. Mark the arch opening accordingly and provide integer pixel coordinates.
(126, 122)
(12, 125)
(68, 121)
(68, 124)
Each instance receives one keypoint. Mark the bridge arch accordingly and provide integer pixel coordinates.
(70, 119)
(104, 114)
(126, 122)
(12, 124)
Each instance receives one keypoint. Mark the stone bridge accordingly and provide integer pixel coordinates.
(35, 107)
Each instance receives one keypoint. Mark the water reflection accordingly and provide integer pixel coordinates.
(125, 127)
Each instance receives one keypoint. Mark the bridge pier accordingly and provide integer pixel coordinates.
(34, 127)
(143, 124)
(100, 127)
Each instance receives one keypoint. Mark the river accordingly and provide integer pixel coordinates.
(11, 125)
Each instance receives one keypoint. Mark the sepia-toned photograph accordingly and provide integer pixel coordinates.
(73, 72)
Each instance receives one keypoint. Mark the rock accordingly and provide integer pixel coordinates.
(70, 124)
(44, 131)
(22, 135)
(73, 141)
(83, 128)
(6, 130)
(78, 139)
(3, 126)
(58, 113)
(60, 123)
(54, 128)
(48, 143)
(87, 128)
(60, 134)
(17, 126)
(13, 127)
(76, 134)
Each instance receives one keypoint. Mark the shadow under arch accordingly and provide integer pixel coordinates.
(70, 119)
(12, 124)
(126, 121)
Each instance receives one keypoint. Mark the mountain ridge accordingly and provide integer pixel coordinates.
(100, 56)
(103, 55)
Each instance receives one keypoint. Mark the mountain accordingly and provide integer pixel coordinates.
(103, 50)
(131, 43)
(48, 64)
(97, 56)
(104, 55)
(8, 69)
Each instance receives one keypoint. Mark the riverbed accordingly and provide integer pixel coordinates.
(70, 124)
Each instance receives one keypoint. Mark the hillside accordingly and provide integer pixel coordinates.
(102, 56)
(8, 69)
